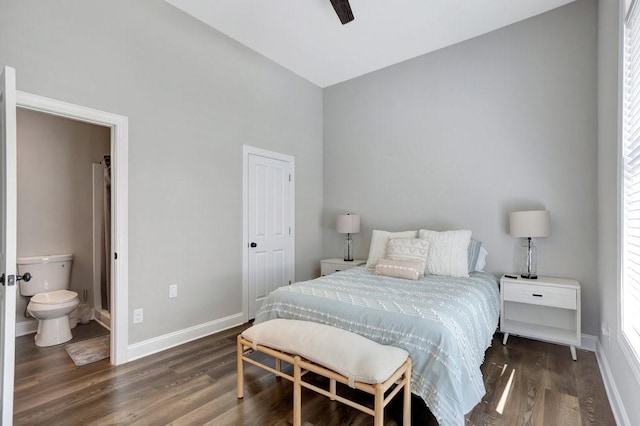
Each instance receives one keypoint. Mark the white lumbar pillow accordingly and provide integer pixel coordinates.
(448, 252)
(379, 240)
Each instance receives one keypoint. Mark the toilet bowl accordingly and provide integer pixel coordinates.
(51, 302)
(52, 310)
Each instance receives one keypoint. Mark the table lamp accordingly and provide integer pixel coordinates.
(348, 224)
(530, 224)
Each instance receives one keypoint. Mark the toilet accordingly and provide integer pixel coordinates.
(51, 301)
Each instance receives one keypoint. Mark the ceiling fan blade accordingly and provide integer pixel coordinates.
(343, 10)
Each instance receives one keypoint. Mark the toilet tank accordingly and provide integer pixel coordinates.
(48, 273)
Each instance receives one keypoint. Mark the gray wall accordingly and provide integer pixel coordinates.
(460, 137)
(55, 191)
(193, 98)
(609, 22)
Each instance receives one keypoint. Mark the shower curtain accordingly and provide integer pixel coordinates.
(106, 284)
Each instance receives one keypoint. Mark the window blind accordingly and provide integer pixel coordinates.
(631, 182)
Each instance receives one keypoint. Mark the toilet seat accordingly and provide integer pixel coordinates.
(56, 297)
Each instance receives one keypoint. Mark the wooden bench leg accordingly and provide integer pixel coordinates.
(240, 388)
(406, 411)
(378, 407)
(297, 392)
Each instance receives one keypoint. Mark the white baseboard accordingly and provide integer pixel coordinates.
(619, 413)
(103, 324)
(589, 342)
(26, 327)
(161, 343)
(102, 317)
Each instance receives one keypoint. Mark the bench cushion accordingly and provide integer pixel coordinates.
(355, 357)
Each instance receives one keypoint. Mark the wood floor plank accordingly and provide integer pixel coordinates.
(594, 405)
(515, 391)
(560, 409)
(195, 384)
(496, 377)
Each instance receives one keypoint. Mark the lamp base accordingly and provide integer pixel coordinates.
(348, 249)
(530, 255)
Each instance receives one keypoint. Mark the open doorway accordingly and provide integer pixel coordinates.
(64, 209)
(117, 126)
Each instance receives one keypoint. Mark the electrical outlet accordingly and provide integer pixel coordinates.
(606, 333)
(173, 291)
(138, 316)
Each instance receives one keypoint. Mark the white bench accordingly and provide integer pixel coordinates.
(337, 354)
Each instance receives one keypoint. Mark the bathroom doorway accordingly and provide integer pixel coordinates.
(56, 200)
(116, 127)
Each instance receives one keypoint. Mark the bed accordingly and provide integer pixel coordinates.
(445, 323)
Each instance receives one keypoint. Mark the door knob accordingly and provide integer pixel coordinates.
(26, 277)
(253, 245)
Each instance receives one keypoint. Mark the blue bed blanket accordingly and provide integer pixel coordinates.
(446, 324)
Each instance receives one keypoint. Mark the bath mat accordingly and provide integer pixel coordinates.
(88, 351)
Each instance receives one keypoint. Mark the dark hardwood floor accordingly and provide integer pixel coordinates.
(195, 384)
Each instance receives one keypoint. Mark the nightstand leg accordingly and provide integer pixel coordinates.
(573, 353)
(504, 339)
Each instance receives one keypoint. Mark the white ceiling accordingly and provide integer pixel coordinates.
(306, 37)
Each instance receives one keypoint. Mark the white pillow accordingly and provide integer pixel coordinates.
(482, 259)
(411, 249)
(379, 241)
(448, 252)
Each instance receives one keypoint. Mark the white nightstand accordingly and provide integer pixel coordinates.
(329, 266)
(544, 309)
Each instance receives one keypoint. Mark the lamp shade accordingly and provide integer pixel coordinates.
(530, 224)
(348, 224)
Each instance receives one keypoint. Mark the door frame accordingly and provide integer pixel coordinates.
(246, 152)
(9, 184)
(120, 205)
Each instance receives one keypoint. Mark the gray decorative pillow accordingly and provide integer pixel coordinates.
(473, 253)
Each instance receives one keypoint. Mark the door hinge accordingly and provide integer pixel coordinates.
(289, 282)
(115, 256)
(289, 178)
(11, 280)
(289, 230)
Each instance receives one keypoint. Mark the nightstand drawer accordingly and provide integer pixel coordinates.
(330, 268)
(541, 295)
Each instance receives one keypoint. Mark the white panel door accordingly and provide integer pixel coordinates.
(8, 191)
(269, 229)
